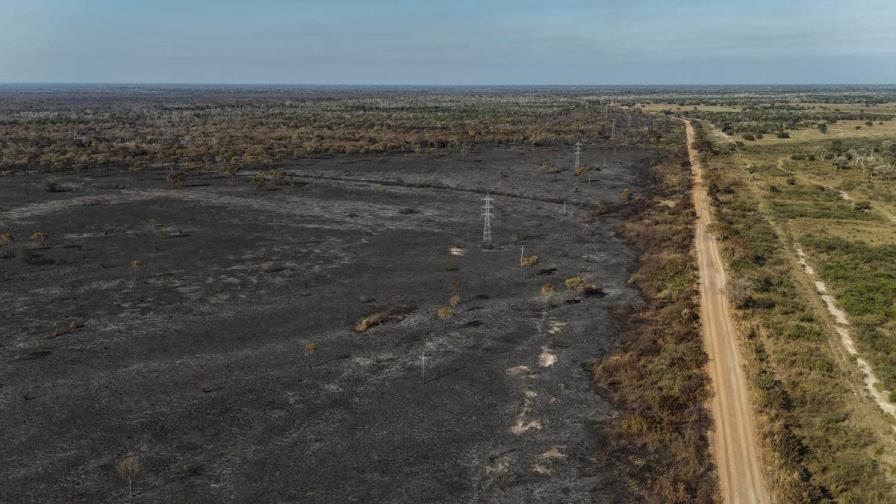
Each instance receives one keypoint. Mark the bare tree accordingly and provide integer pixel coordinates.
(128, 469)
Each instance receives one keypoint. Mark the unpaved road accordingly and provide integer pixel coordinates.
(734, 441)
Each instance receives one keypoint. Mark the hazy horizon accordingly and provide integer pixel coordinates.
(458, 43)
(800, 85)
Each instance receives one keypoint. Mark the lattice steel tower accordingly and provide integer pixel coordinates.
(487, 215)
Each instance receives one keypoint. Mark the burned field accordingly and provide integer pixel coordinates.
(332, 333)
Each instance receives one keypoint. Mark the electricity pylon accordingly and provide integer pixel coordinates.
(487, 223)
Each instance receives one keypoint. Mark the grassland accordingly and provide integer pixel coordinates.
(828, 441)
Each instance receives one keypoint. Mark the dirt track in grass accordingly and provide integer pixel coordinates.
(734, 440)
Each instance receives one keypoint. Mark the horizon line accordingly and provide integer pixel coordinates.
(411, 84)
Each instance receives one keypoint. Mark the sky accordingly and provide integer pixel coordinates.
(454, 42)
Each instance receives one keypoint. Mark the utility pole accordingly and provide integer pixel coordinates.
(578, 155)
(487, 224)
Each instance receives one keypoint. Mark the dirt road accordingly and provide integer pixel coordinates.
(734, 440)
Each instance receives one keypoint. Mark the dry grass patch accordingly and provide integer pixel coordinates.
(392, 314)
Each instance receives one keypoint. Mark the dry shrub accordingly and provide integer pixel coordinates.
(259, 180)
(176, 179)
(657, 378)
(395, 313)
(548, 167)
(740, 291)
(49, 185)
(128, 468)
(575, 283)
(583, 170)
(454, 301)
(529, 261)
(547, 290)
(580, 286)
(445, 312)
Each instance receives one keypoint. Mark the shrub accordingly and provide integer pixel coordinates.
(529, 261)
(548, 167)
(862, 206)
(740, 292)
(395, 313)
(128, 468)
(49, 185)
(575, 283)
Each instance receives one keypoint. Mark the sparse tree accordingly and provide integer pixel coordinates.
(128, 469)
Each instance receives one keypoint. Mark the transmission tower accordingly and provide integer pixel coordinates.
(487, 223)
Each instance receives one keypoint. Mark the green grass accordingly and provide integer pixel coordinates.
(822, 449)
(863, 278)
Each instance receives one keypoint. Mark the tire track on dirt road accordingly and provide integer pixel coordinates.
(734, 441)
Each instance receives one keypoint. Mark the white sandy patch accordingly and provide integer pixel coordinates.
(553, 453)
(521, 426)
(556, 327)
(457, 251)
(546, 358)
(802, 255)
(880, 396)
(847, 341)
(538, 468)
(517, 370)
(839, 315)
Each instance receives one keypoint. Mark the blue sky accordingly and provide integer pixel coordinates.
(449, 42)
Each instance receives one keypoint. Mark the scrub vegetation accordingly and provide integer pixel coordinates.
(658, 375)
(827, 441)
(197, 129)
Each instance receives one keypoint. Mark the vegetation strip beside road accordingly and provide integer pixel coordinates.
(823, 441)
(657, 377)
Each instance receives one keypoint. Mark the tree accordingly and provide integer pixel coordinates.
(128, 469)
